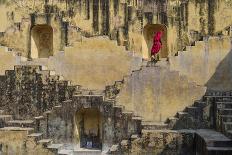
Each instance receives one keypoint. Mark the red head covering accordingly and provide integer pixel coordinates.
(157, 36)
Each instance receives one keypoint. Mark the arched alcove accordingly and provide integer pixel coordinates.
(89, 128)
(41, 41)
(148, 33)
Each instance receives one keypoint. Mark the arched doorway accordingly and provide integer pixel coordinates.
(89, 128)
(148, 33)
(41, 41)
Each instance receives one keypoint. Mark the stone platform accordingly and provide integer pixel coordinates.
(210, 142)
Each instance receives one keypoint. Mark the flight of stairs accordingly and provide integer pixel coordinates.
(222, 107)
(192, 114)
(52, 85)
(65, 96)
(198, 120)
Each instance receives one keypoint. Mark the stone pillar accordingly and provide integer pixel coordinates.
(85, 9)
(105, 17)
(95, 14)
(99, 17)
(123, 18)
(111, 16)
(107, 126)
(47, 123)
(90, 12)
(37, 124)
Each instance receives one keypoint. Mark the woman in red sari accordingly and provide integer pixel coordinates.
(157, 45)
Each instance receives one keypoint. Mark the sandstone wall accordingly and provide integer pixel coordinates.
(156, 93)
(122, 20)
(16, 36)
(15, 142)
(207, 63)
(3, 17)
(222, 15)
(208, 17)
(8, 60)
(93, 63)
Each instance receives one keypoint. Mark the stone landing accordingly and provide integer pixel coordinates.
(210, 142)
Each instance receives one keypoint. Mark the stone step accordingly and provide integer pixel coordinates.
(28, 130)
(163, 131)
(137, 118)
(218, 98)
(48, 112)
(215, 93)
(21, 123)
(36, 136)
(219, 150)
(225, 102)
(124, 142)
(154, 125)
(227, 105)
(181, 114)
(45, 142)
(6, 118)
(134, 136)
(114, 148)
(227, 126)
(83, 151)
(67, 101)
(226, 111)
(213, 138)
(57, 107)
(55, 147)
(119, 107)
(225, 118)
(200, 104)
(194, 111)
(171, 121)
(66, 152)
(127, 112)
(229, 133)
(39, 118)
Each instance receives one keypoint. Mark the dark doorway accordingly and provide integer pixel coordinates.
(148, 33)
(41, 41)
(89, 126)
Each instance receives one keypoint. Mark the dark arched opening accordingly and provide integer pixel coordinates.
(41, 41)
(89, 128)
(148, 33)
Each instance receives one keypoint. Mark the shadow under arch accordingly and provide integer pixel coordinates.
(89, 128)
(148, 32)
(41, 41)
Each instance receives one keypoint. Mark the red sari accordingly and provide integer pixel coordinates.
(157, 44)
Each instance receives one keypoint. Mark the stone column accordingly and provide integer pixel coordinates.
(37, 124)
(95, 14)
(47, 123)
(104, 17)
(107, 126)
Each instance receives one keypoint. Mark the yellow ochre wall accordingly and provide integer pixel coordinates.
(17, 142)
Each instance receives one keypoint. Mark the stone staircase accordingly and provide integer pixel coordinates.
(191, 112)
(12, 122)
(69, 99)
(188, 114)
(133, 123)
(221, 105)
(194, 121)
